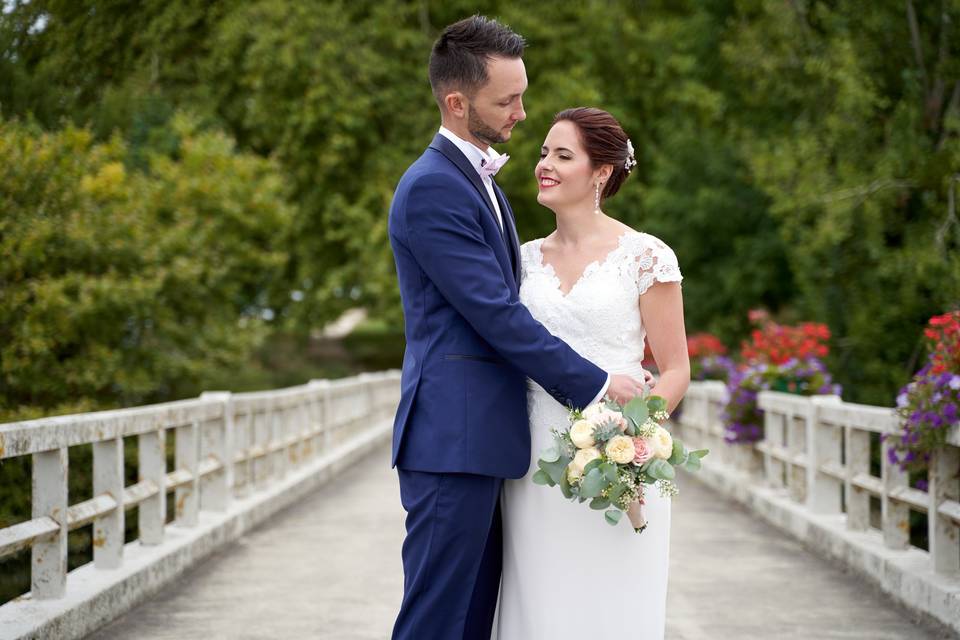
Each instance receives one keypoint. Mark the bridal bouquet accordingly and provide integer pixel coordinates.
(609, 454)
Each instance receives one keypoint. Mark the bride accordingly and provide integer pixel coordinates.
(603, 288)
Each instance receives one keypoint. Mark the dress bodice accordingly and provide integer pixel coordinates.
(600, 316)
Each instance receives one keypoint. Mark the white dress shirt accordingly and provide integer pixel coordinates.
(477, 156)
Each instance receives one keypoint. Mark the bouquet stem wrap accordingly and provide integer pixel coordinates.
(635, 514)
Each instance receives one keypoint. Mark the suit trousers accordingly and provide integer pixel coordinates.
(452, 556)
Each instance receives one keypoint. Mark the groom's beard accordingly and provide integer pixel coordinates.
(481, 130)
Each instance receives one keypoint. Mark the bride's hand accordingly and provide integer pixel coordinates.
(648, 379)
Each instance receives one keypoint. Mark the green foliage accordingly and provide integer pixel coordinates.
(798, 158)
(121, 286)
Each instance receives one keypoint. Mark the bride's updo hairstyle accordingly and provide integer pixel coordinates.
(605, 142)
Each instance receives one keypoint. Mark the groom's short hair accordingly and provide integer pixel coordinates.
(459, 58)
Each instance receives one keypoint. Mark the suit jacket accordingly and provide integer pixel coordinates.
(470, 342)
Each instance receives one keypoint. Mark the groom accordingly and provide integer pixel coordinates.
(461, 426)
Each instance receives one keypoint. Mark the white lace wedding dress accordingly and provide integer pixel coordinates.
(561, 560)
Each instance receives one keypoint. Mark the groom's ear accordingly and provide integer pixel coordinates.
(456, 104)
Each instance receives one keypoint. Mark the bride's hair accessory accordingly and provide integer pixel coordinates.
(631, 160)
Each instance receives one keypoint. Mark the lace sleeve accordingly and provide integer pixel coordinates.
(656, 262)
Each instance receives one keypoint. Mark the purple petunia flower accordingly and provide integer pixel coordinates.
(950, 412)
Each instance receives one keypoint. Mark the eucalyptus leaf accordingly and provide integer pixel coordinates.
(592, 484)
(636, 411)
(692, 463)
(656, 403)
(616, 491)
(599, 504)
(679, 455)
(593, 464)
(613, 516)
(556, 470)
(550, 453)
(609, 470)
(661, 470)
(565, 487)
(543, 478)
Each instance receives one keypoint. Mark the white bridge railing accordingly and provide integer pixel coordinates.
(229, 448)
(812, 475)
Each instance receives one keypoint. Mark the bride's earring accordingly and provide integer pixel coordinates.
(596, 201)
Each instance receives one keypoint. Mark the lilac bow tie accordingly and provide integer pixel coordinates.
(490, 168)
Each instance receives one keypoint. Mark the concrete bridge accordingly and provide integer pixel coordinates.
(288, 524)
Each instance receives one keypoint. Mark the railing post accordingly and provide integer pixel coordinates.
(152, 466)
(309, 423)
(858, 461)
(278, 436)
(246, 438)
(49, 556)
(895, 515)
(824, 447)
(108, 478)
(187, 456)
(797, 447)
(773, 435)
(260, 438)
(329, 417)
(217, 440)
(318, 415)
(944, 485)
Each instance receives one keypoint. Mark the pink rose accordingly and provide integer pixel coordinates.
(643, 450)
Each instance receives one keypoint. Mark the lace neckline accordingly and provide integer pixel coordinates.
(593, 266)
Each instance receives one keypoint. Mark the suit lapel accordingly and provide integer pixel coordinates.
(455, 156)
(510, 224)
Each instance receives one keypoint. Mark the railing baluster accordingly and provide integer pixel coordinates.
(797, 447)
(49, 556)
(944, 485)
(823, 493)
(858, 461)
(216, 440)
(773, 436)
(245, 440)
(187, 457)
(108, 478)
(283, 431)
(261, 439)
(152, 466)
(895, 515)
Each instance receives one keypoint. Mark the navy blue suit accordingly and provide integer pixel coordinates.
(461, 426)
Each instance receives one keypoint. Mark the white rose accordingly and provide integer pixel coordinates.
(583, 457)
(620, 449)
(582, 434)
(591, 412)
(662, 443)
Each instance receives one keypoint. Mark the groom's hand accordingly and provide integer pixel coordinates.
(623, 388)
